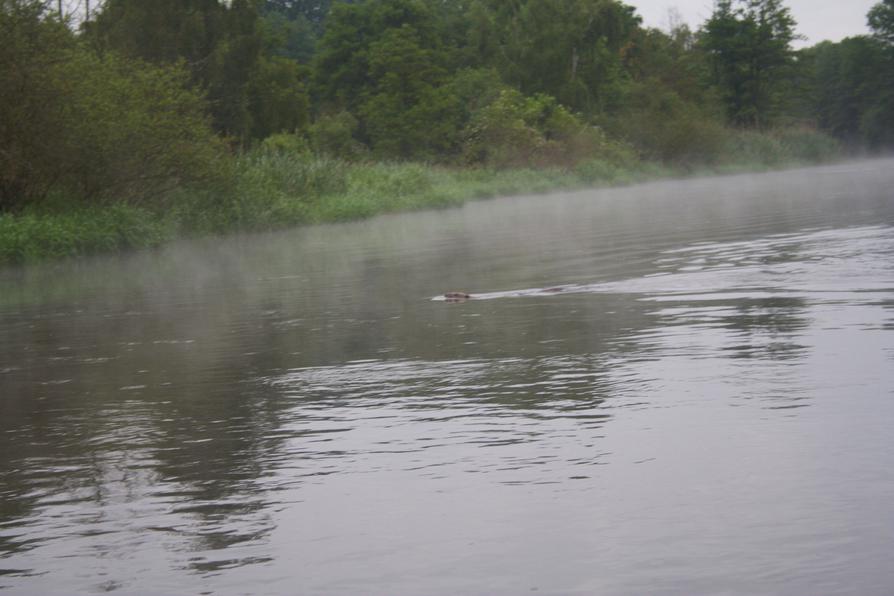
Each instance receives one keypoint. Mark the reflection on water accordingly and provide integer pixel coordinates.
(439, 418)
(702, 406)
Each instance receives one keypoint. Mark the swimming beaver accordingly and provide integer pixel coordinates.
(456, 296)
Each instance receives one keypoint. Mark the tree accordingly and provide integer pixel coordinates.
(387, 62)
(852, 101)
(35, 43)
(669, 59)
(343, 74)
(881, 21)
(852, 91)
(92, 127)
(278, 100)
(569, 49)
(408, 112)
(293, 38)
(313, 11)
(749, 46)
(219, 42)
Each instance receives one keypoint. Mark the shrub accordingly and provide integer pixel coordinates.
(286, 143)
(592, 143)
(596, 171)
(35, 235)
(667, 128)
(277, 97)
(749, 147)
(809, 145)
(270, 189)
(333, 135)
(296, 175)
(135, 132)
(505, 133)
(390, 180)
(95, 128)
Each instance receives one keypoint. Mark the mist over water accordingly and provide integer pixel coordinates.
(705, 407)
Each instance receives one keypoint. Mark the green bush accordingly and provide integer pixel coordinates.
(505, 133)
(333, 135)
(295, 175)
(286, 143)
(592, 143)
(96, 128)
(809, 145)
(665, 127)
(781, 147)
(278, 100)
(35, 235)
(270, 189)
(754, 148)
(389, 181)
(598, 171)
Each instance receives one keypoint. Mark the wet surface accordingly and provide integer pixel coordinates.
(676, 388)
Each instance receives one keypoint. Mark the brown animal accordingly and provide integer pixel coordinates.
(456, 296)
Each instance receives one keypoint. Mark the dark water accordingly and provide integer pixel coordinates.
(708, 407)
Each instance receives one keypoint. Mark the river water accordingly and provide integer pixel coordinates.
(705, 406)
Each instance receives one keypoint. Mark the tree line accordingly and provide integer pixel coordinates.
(135, 100)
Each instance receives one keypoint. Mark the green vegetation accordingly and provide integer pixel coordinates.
(38, 235)
(142, 122)
(275, 188)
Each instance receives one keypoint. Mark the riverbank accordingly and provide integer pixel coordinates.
(269, 190)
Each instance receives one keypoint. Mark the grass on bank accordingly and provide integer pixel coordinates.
(277, 189)
(35, 235)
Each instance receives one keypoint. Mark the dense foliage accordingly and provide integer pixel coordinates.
(94, 127)
(749, 50)
(146, 103)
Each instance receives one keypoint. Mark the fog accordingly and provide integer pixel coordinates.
(705, 407)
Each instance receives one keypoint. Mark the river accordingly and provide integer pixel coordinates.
(682, 387)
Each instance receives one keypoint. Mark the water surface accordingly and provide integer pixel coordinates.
(706, 407)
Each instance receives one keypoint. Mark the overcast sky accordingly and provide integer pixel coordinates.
(817, 19)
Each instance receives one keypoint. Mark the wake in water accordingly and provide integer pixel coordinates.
(815, 263)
